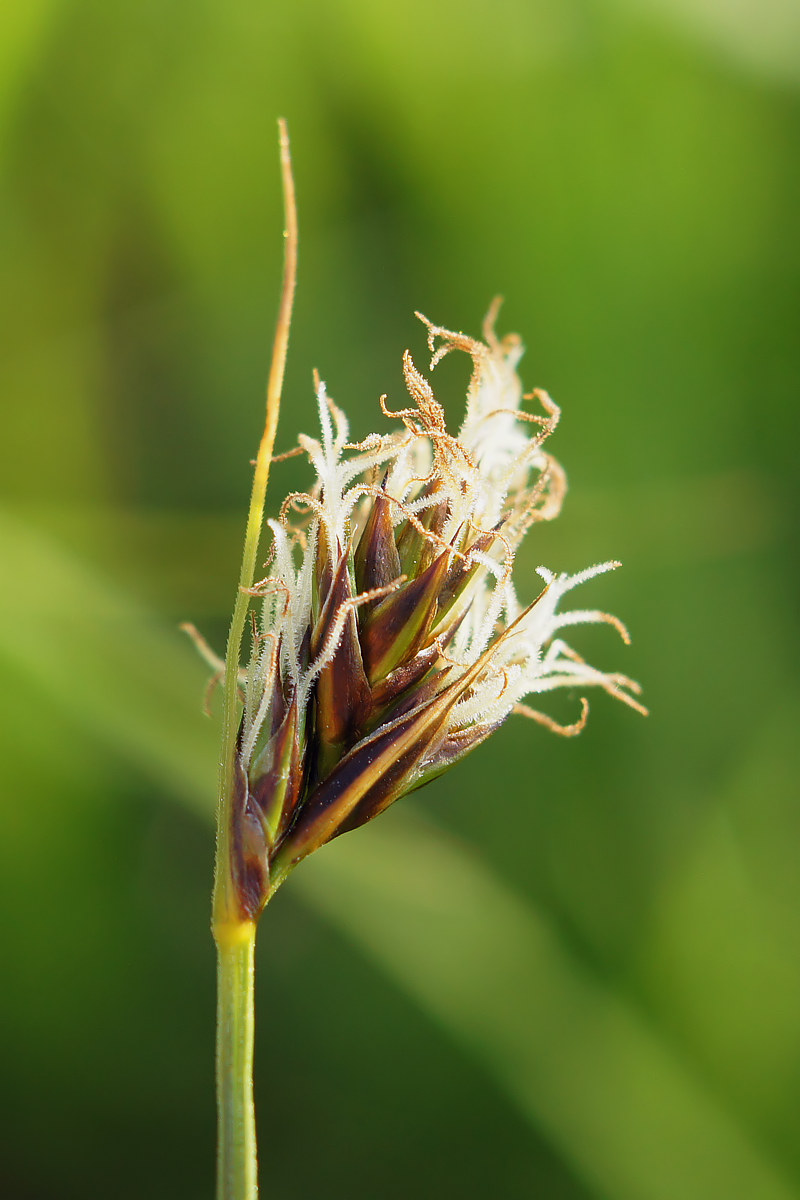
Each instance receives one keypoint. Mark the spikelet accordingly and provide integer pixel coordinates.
(390, 641)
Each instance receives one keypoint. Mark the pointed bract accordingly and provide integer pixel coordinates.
(275, 777)
(342, 690)
(376, 562)
(397, 627)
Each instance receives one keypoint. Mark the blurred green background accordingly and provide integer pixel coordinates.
(569, 969)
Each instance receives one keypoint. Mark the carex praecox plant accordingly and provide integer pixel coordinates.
(390, 640)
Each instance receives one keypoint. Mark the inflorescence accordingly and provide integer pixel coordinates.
(390, 640)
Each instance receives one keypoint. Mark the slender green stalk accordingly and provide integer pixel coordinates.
(237, 1165)
(233, 932)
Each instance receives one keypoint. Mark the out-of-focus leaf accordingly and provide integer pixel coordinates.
(570, 1052)
(721, 957)
(105, 660)
(611, 1093)
(759, 36)
(23, 29)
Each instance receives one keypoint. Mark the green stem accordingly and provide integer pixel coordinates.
(237, 1166)
(226, 908)
(232, 925)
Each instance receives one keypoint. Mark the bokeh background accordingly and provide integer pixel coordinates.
(570, 969)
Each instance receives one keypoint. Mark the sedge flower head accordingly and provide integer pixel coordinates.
(391, 640)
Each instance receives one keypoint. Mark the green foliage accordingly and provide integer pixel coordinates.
(576, 975)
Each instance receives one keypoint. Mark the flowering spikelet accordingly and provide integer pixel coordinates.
(391, 641)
